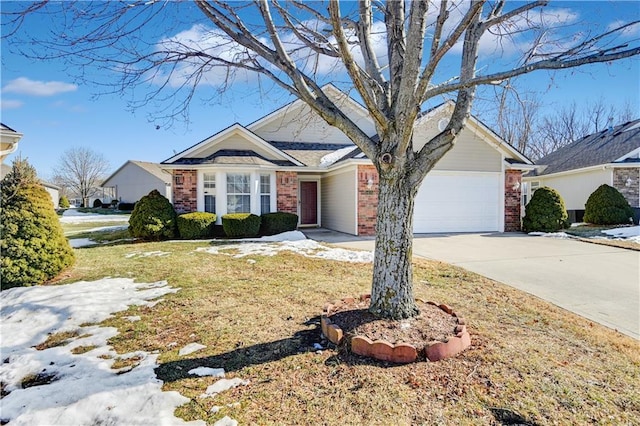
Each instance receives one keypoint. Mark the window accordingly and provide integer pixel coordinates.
(209, 183)
(238, 193)
(265, 194)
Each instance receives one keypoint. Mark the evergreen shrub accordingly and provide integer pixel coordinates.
(63, 203)
(278, 222)
(237, 225)
(126, 207)
(153, 218)
(33, 248)
(607, 206)
(545, 212)
(196, 225)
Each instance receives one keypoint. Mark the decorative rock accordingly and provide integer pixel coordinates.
(334, 334)
(324, 322)
(382, 350)
(404, 353)
(361, 345)
(437, 351)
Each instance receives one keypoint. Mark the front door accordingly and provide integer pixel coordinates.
(308, 203)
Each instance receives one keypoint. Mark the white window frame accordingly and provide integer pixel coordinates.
(246, 193)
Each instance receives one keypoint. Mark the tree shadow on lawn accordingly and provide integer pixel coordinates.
(300, 342)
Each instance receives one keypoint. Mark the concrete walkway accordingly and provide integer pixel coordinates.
(598, 282)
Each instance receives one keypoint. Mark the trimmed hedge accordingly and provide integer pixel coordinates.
(33, 247)
(63, 203)
(545, 212)
(278, 222)
(126, 207)
(153, 218)
(196, 225)
(607, 206)
(241, 225)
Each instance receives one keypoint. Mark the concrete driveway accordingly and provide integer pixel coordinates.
(598, 282)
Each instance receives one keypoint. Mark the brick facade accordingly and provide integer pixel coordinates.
(512, 200)
(185, 193)
(367, 199)
(287, 190)
(631, 176)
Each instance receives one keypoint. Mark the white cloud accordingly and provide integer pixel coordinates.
(26, 86)
(629, 31)
(11, 104)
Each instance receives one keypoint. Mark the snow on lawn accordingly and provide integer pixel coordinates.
(74, 216)
(294, 241)
(561, 235)
(628, 233)
(78, 389)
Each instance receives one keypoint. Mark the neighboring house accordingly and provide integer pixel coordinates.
(9, 139)
(610, 157)
(135, 179)
(54, 192)
(291, 160)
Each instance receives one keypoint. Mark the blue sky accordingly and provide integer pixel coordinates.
(55, 112)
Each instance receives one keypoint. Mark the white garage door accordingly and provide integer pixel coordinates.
(458, 202)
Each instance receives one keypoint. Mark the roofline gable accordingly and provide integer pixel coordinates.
(297, 103)
(225, 133)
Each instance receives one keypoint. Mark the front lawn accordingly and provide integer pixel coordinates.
(258, 318)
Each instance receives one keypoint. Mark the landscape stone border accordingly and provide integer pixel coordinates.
(400, 353)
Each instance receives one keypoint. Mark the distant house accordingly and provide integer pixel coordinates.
(54, 192)
(610, 157)
(291, 160)
(135, 179)
(9, 139)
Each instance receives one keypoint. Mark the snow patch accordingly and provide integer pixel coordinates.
(75, 217)
(226, 421)
(629, 233)
(308, 248)
(206, 371)
(191, 348)
(82, 242)
(561, 235)
(331, 158)
(82, 389)
(223, 385)
(146, 254)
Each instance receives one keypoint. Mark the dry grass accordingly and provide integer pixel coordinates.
(530, 362)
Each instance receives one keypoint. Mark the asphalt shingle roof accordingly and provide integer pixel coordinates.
(598, 148)
(236, 157)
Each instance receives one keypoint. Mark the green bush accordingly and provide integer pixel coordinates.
(196, 225)
(126, 207)
(97, 203)
(607, 206)
(153, 218)
(545, 212)
(278, 222)
(241, 225)
(63, 203)
(33, 246)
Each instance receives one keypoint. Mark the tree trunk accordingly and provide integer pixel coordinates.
(392, 288)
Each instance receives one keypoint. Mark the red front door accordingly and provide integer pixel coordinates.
(308, 203)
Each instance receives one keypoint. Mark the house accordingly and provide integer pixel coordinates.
(610, 157)
(54, 192)
(291, 160)
(135, 179)
(9, 139)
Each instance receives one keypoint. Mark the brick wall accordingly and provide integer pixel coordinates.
(631, 192)
(512, 197)
(185, 194)
(367, 199)
(287, 190)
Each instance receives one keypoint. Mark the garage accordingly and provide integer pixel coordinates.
(459, 202)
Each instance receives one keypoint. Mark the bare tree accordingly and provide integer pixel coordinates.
(81, 171)
(394, 54)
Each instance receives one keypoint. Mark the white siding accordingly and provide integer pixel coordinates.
(300, 124)
(339, 200)
(55, 196)
(236, 142)
(575, 188)
(132, 183)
